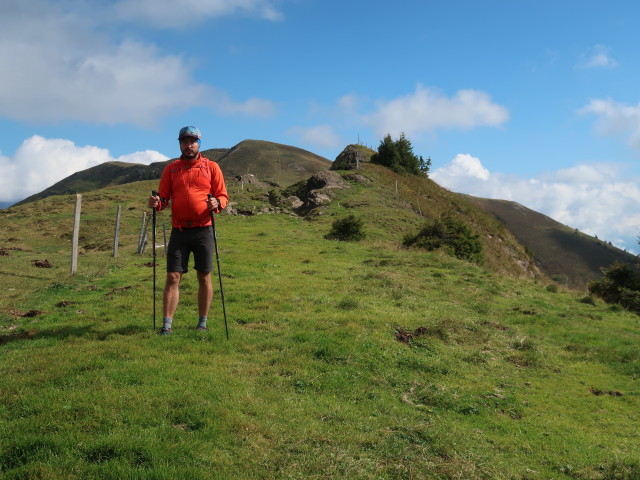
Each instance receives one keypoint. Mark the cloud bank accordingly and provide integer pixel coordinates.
(427, 110)
(322, 136)
(591, 198)
(616, 119)
(183, 13)
(64, 65)
(40, 162)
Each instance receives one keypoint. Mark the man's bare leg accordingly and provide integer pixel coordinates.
(205, 292)
(170, 299)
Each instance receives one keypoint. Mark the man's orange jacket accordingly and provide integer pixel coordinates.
(187, 185)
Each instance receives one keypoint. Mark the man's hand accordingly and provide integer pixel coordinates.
(154, 202)
(213, 203)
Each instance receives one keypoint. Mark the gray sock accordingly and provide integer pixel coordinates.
(202, 321)
(166, 323)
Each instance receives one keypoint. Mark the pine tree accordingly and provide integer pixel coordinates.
(398, 155)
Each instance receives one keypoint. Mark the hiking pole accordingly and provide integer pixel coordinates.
(153, 239)
(215, 244)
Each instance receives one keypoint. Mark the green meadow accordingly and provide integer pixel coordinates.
(354, 360)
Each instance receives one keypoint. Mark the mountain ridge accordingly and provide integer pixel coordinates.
(278, 163)
(559, 250)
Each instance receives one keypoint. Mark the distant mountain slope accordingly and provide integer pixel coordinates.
(281, 164)
(559, 251)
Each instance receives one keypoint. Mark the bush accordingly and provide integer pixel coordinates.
(589, 300)
(452, 234)
(346, 229)
(620, 284)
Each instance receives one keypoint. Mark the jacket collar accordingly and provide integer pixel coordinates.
(192, 163)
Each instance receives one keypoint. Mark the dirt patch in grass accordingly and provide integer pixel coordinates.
(42, 263)
(406, 336)
(597, 392)
(29, 314)
(497, 326)
(119, 290)
(64, 303)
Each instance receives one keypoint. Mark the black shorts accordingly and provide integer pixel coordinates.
(198, 240)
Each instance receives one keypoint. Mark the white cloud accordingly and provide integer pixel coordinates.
(320, 136)
(145, 157)
(40, 162)
(60, 66)
(254, 107)
(463, 166)
(185, 13)
(596, 199)
(426, 110)
(616, 119)
(598, 57)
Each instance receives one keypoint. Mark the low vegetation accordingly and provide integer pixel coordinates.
(346, 229)
(450, 233)
(362, 360)
(620, 284)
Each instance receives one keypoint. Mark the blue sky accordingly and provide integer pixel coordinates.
(530, 101)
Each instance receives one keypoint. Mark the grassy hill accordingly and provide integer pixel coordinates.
(272, 162)
(346, 360)
(563, 253)
(281, 164)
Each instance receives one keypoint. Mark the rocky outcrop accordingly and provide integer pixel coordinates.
(317, 191)
(250, 179)
(352, 157)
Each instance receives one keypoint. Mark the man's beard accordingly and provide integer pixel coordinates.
(189, 154)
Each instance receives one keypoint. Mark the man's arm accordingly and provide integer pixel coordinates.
(218, 189)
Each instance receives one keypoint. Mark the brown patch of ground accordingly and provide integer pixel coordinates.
(495, 325)
(524, 311)
(597, 392)
(41, 263)
(118, 290)
(29, 314)
(405, 336)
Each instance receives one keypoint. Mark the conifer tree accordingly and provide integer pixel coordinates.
(398, 155)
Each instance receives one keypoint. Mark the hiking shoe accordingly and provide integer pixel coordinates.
(164, 331)
(202, 329)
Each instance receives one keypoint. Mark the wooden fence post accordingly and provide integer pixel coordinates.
(116, 233)
(76, 235)
(143, 234)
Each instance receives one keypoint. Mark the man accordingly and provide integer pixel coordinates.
(186, 183)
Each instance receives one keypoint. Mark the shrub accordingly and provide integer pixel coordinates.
(346, 229)
(589, 300)
(620, 284)
(452, 234)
